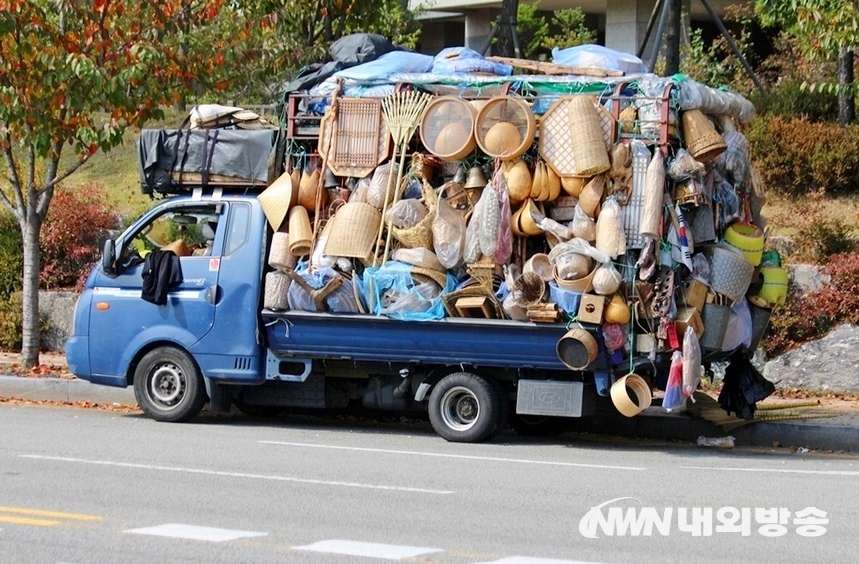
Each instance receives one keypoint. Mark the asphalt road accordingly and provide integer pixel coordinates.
(87, 486)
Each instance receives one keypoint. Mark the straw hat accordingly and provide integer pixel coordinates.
(354, 230)
(277, 199)
(300, 232)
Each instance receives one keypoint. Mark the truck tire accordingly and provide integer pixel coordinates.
(466, 408)
(168, 385)
(539, 425)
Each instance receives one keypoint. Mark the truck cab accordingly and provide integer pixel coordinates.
(206, 330)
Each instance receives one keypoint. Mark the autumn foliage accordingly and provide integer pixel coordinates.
(77, 223)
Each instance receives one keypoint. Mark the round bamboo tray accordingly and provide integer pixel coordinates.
(447, 128)
(505, 127)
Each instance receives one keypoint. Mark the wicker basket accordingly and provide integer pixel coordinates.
(586, 137)
(300, 232)
(420, 235)
(354, 229)
(730, 273)
(702, 140)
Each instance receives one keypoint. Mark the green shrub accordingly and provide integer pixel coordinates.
(77, 222)
(811, 316)
(11, 256)
(792, 101)
(796, 157)
(11, 322)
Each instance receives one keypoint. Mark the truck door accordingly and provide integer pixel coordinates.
(122, 322)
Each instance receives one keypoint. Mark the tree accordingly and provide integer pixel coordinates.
(74, 75)
(827, 30)
(299, 32)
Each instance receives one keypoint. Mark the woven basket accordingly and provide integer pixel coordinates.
(300, 232)
(420, 235)
(702, 140)
(354, 229)
(586, 136)
(730, 273)
(529, 289)
(279, 256)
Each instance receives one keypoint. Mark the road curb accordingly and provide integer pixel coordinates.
(837, 434)
(63, 389)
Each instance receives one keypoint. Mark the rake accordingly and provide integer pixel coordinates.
(403, 111)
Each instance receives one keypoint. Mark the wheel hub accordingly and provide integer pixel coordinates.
(460, 408)
(167, 384)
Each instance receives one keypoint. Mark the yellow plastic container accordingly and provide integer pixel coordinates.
(774, 287)
(747, 238)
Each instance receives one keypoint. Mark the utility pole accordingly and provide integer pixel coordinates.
(672, 38)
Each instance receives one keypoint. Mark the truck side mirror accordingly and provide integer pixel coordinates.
(108, 258)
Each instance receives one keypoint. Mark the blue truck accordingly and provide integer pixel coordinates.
(213, 343)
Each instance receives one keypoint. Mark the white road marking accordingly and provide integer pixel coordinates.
(779, 470)
(238, 474)
(532, 560)
(193, 532)
(368, 549)
(459, 456)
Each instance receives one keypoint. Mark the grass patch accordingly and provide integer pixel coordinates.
(117, 169)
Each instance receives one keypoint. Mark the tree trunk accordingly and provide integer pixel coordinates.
(506, 28)
(30, 326)
(846, 99)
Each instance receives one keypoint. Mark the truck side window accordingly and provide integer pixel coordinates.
(185, 232)
(237, 236)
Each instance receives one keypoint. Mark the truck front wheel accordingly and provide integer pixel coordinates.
(466, 408)
(168, 385)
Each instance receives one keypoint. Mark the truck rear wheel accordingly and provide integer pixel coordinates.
(466, 408)
(168, 385)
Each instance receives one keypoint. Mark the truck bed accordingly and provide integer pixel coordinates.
(475, 342)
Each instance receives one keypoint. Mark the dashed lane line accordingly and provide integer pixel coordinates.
(204, 472)
(455, 456)
(195, 532)
(368, 549)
